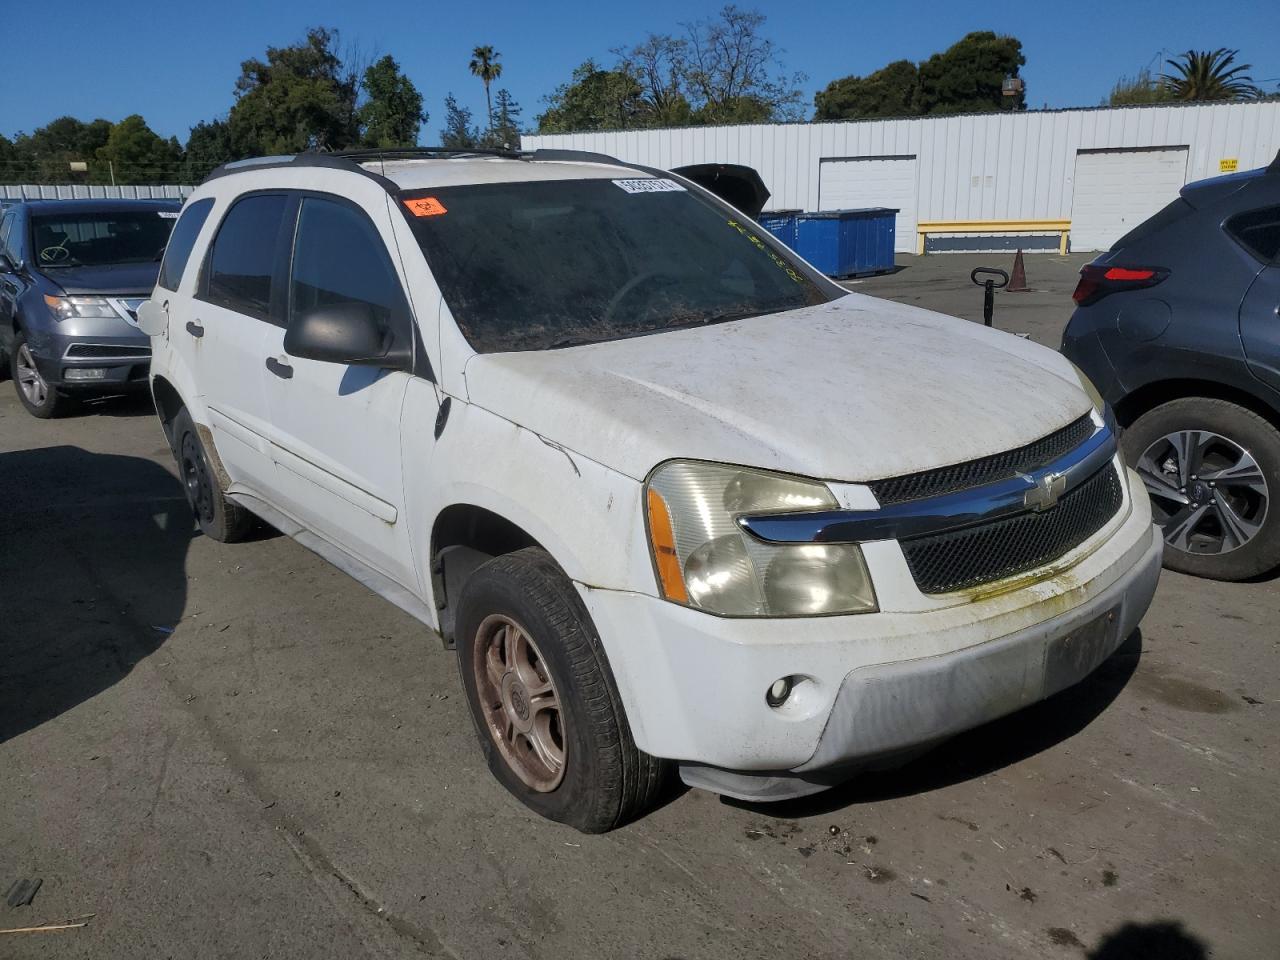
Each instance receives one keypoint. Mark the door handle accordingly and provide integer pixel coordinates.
(195, 329)
(279, 368)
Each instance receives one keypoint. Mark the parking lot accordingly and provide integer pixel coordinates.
(236, 751)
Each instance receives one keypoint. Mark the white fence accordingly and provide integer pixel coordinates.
(78, 191)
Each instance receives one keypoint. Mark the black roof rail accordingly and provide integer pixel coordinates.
(579, 156)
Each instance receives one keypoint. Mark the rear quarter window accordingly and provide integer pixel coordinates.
(1258, 231)
(181, 243)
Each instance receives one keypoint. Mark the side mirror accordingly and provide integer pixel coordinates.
(153, 318)
(345, 333)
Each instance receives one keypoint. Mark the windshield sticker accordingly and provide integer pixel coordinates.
(649, 185)
(168, 214)
(763, 248)
(425, 207)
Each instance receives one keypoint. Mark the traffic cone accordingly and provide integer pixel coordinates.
(1018, 281)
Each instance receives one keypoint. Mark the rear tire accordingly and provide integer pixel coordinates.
(218, 517)
(531, 660)
(39, 398)
(1221, 515)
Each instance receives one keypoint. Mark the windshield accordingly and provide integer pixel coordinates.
(538, 265)
(94, 239)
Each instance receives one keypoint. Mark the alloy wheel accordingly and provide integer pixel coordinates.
(30, 382)
(1207, 492)
(520, 703)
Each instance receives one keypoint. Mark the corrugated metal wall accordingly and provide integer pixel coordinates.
(1016, 166)
(77, 191)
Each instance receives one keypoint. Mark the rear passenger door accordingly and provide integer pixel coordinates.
(336, 427)
(239, 302)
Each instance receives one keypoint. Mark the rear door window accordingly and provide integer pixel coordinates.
(1258, 231)
(242, 263)
(340, 258)
(181, 242)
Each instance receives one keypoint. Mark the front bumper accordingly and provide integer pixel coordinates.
(874, 685)
(124, 361)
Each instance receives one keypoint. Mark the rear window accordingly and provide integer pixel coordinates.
(1165, 218)
(539, 265)
(182, 241)
(1258, 231)
(100, 238)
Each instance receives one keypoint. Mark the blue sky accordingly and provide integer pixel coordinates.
(176, 62)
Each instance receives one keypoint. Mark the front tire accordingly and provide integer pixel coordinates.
(218, 517)
(546, 708)
(1212, 469)
(39, 398)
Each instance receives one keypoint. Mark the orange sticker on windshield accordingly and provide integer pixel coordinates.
(425, 207)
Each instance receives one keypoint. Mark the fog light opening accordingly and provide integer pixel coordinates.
(778, 692)
(86, 373)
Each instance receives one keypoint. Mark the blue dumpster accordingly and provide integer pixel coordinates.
(782, 224)
(847, 243)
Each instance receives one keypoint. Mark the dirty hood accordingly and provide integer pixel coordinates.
(112, 279)
(852, 390)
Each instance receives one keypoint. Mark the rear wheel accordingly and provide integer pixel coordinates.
(544, 702)
(1212, 469)
(219, 518)
(40, 399)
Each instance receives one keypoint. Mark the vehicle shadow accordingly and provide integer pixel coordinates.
(92, 578)
(983, 750)
(135, 403)
(1163, 939)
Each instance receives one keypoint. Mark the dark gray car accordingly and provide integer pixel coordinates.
(1178, 325)
(72, 273)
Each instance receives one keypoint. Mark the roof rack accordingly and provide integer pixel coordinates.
(353, 160)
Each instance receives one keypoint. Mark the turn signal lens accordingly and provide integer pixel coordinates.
(664, 549)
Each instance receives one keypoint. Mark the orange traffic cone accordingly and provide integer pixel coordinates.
(1018, 281)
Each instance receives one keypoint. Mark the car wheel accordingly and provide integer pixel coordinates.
(1212, 469)
(544, 702)
(40, 399)
(218, 517)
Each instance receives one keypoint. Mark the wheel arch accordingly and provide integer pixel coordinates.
(1151, 395)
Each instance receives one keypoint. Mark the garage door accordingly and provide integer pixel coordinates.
(847, 183)
(1115, 190)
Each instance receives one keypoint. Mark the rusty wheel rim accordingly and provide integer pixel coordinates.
(520, 702)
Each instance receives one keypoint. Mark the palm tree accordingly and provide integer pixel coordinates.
(484, 64)
(1209, 75)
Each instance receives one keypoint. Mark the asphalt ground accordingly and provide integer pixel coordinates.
(236, 751)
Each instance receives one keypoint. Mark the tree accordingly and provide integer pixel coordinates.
(208, 146)
(968, 76)
(297, 99)
(1138, 89)
(43, 155)
(484, 64)
(660, 65)
(458, 132)
(890, 91)
(506, 126)
(1209, 75)
(393, 115)
(734, 71)
(137, 154)
(594, 99)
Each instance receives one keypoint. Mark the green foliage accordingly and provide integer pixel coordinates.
(459, 133)
(594, 99)
(297, 99)
(44, 155)
(889, 92)
(137, 154)
(208, 146)
(484, 64)
(393, 115)
(506, 122)
(1141, 88)
(968, 76)
(1209, 75)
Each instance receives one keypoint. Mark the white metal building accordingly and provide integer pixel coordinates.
(977, 181)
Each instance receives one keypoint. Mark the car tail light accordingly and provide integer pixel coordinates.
(1097, 280)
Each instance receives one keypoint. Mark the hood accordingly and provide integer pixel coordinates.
(116, 279)
(853, 390)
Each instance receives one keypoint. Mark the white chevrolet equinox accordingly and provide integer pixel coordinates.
(675, 498)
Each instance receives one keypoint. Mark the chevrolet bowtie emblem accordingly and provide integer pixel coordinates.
(1045, 492)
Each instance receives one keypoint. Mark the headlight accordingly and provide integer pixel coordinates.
(65, 308)
(704, 559)
(1099, 404)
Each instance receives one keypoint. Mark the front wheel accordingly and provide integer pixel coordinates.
(544, 701)
(38, 397)
(1212, 469)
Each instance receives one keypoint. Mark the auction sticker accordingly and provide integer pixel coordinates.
(167, 214)
(649, 185)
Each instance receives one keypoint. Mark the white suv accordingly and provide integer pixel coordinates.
(671, 494)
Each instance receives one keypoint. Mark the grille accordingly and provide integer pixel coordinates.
(975, 473)
(105, 351)
(990, 551)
